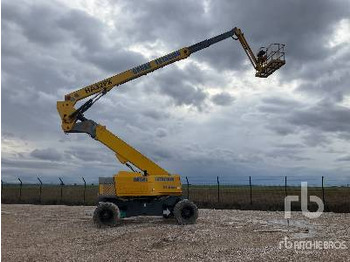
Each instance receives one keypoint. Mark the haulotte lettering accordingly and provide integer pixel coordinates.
(137, 70)
(98, 86)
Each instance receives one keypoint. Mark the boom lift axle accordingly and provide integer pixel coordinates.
(152, 191)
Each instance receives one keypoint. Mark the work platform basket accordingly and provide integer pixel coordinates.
(273, 59)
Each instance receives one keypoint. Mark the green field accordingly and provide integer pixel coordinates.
(337, 199)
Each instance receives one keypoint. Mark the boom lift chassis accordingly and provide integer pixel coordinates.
(148, 189)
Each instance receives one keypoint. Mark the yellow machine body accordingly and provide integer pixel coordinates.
(134, 184)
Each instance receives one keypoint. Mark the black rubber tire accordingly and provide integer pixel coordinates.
(171, 215)
(106, 214)
(185, 212)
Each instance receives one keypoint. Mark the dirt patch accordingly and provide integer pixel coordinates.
(66, 233)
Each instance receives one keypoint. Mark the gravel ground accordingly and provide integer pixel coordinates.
(65, 233)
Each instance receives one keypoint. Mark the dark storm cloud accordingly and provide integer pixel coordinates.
(87, 30)
(290, 146)
(278, 105)
(277, 109)
(89, 154)
(5, 135)
(322, 117)
(185, 95)
(95, 46)
(304, 25)
(217, 155)
(112, 60)
(223, 99)
(155, 114)
(317, 123)
(82, 34)
(281, 102)
(33, 165)
(39, 55)
(332, 83)
(180, 87)
(194, 26)
(147, 16)
(47, 154)
(316, 138)
(291, 117)
(71, 171)
(161, 132)
(294, 154)
(343, 159)
(281, 128)
(35, 21)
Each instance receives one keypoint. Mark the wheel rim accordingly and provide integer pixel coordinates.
(187, 212)
(106, 215)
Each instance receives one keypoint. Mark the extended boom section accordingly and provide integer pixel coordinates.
(265, 63)
(126, 76)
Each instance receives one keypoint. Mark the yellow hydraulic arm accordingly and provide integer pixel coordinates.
(73, 120)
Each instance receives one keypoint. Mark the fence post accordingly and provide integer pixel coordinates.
(62, 184)
(40, 186)
(20, 190)
(188, 188)
(250, 190)
(285, 186)
(323, 196)
(218, 182)
(84, 189)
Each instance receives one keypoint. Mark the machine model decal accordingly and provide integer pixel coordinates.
(164, 179)
(140, 179)
(168, 57)
(141, 68)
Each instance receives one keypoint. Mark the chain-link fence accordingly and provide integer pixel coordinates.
(263, 193)
(49, 194)
(260, 193)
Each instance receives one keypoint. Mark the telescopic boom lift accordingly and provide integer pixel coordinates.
(149, 190)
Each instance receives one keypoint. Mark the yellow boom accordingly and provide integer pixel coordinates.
(73, 120)
(153, 191)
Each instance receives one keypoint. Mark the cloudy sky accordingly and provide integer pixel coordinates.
(201, 117)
